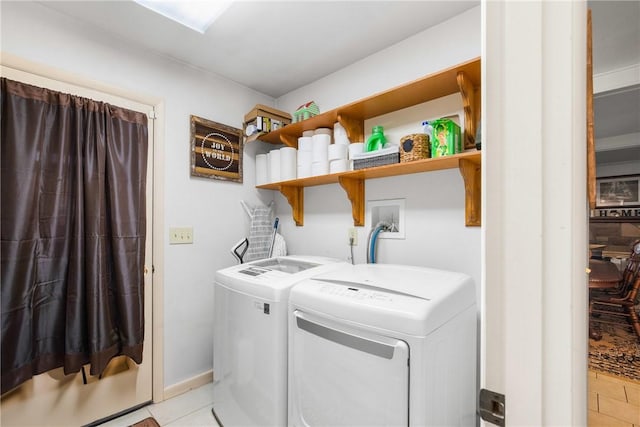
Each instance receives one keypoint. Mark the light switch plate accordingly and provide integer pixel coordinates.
(180, 235)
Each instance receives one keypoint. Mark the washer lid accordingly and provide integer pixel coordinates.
(412, 300)
(284, 264)
(271, 278)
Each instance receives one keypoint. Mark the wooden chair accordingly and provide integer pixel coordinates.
(621, 301)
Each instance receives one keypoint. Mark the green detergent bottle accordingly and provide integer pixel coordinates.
(377, 140)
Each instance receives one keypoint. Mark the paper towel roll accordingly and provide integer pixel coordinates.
(288, 163)
(304, 163)
(320, 148)
(319, 168)
(340, 135)
(262, 175)
(304, 158)
(341, 140)
(305, 143)
(337, 151)
(304, 170)
(308, 133)
(355, 148)
(274, 165)
(323, 131)
(340, 165)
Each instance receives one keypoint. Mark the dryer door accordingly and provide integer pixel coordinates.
(342, 376)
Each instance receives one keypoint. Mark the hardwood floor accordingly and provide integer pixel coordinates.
(613, 401)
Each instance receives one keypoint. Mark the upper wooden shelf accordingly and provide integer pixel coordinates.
(463, 78)
(352, 116)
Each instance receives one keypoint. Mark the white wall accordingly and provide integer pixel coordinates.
(435, 232)
(436, 235)
(36, 33)
(632, 167)
(625, 166)
(609, 83)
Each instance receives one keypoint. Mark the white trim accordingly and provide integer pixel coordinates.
(158, 252)
(616, 79)
(188, 384)
(49, 72)
(618, 142)
(534, 254)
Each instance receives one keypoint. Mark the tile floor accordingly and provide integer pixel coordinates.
(192, 408)
(613, 401)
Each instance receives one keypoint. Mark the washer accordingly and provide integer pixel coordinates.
(250, 338)
(377, 344)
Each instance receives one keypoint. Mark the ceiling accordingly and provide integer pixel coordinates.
(275, 47)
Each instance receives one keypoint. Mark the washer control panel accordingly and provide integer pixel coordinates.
(254, 271)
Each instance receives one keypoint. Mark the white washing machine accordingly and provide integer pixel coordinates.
(383, 345)
(250, 338)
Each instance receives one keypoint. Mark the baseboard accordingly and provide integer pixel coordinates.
(188, 384)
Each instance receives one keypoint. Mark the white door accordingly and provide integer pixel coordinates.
(54, 399)
(534, 284)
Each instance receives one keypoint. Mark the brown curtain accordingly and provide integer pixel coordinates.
(73, 225)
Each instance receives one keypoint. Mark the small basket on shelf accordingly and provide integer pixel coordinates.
(415, 147)
(382, 157)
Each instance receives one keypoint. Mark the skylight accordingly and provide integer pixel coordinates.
(197, 15)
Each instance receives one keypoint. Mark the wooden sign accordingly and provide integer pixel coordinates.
(216, 150)
(625, 214)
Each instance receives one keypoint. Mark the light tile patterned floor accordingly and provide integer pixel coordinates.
(192, 408)
(613, 401)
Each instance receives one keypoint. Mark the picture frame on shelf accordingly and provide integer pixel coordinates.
(618, 191)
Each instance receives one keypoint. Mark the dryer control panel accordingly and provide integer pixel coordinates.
(355, 293)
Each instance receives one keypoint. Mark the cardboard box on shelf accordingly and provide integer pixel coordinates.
(267, 113)
(262, 119)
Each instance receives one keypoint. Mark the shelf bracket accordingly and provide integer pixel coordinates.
(471, 174)
(354, 128)
(470, 109)
(295, 197)
(355, 192)
(288, 140)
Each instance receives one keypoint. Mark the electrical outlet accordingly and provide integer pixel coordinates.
(353, 234)
(180, 235)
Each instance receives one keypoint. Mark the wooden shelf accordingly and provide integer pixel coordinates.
(352, 182)
(463, 78)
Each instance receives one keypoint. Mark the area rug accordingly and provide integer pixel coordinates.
(147, 422)
(617, 353)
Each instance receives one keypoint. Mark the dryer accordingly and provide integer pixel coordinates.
(379, 344)
(250, 338)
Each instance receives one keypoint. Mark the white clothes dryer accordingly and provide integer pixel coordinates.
(250, 338)
(383, 345)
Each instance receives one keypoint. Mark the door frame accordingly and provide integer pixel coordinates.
(534, 303)
(157, 262)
